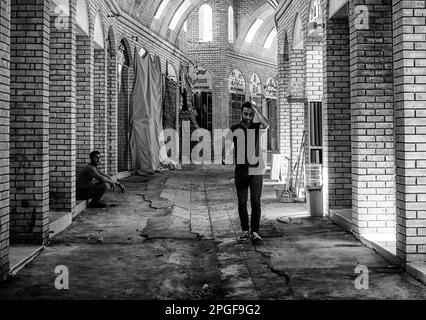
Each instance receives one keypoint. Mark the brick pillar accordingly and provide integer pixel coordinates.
(112, 115)
(336, 114)
(314, 84)
(296, 102)
(124, 157)
(100, 107)
(409, 18)
(85, 100)
(29, 121)
(283, 105)
(62, 112)
(4, 135)
(314, 70)
(373, 195)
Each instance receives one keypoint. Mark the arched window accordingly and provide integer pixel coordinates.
(206, 23)
(252, 31)
(231, 25)
(270, 39)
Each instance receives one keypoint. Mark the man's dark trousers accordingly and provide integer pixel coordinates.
(242, 182)
(95, 192)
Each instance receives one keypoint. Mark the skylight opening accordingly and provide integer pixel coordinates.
(206, 23)
(231, 24)
(179, 13)
(185, 26)
(253, 29)
(161, 8)
(270, 39)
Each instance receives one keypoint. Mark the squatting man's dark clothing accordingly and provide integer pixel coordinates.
(89, 185)
(92, 183)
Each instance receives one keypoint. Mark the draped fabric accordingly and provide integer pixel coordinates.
(146, 114)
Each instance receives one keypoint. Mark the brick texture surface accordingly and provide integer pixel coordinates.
(29, 121)
(409, 20)
(62, 114)
(4, 140)
(373, 184)
(337, 114)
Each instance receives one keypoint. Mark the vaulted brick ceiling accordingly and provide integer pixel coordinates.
(144, 11)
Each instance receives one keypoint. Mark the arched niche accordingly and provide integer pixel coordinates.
(82, 18)
(171, 72)
(201, 78)
(255, 87)
(236, 82)
(98, 35)
(298, 33)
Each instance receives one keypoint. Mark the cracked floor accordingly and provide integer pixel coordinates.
(173, 233)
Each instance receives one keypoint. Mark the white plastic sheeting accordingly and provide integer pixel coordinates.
(146, 114)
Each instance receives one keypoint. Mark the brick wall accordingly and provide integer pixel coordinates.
(373, 194)
(4, 134)
(29, 121)
(126, 81)
(292, 66)
(409, 20)
(100, 108)
(84, 99)
(112, 94)
(314, 70)
(283, 106)
(336, 114)
(62, 116)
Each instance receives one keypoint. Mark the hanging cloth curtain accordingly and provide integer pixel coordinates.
(146, 114)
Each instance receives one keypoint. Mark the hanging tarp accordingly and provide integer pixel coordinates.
(146, 114)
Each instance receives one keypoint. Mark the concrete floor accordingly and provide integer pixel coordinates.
(173, 233)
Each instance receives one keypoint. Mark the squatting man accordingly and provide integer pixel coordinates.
(92, 183)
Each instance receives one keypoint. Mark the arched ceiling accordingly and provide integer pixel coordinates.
(145, 10)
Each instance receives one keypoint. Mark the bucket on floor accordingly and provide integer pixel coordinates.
(314, 201)
(281, 195)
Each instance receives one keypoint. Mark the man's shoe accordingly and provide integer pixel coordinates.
(244, 236)
(255, 237)
(97, 205)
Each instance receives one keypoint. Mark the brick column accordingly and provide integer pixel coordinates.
(62, 112)
(112, 115)
(314, 84)
(124, 156)
(283, 105)
(373, 196)
(296, 105)
(29, 121)
(314, 70)
(336, 114)
(84, 100)
(4, 135)
(409, 18)
(100, 107)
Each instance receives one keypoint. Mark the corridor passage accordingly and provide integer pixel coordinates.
(172, 236)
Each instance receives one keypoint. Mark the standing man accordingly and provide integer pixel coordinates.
(92, 183)
(250, 169)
